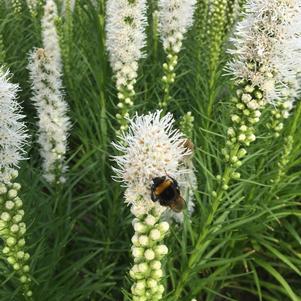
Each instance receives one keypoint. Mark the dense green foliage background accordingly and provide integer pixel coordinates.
(79, 235)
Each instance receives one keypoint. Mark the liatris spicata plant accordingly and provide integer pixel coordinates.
(175, 18)
(151, 148)
(12, 140)
(52, 111)
(125, 28)
(256, 70)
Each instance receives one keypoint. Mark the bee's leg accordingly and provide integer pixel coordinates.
(153, 197)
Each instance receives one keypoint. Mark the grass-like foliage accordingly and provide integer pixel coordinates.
(242, 242)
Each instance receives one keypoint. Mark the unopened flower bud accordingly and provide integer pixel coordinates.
(149, 254)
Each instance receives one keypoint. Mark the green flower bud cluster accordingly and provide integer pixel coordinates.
(168, 77)
(33, 6)
(284, 160)
(12, 232)
(213, 21)
(279, 113)
(248, 105)
(148, 251)
(186, 125)
(125, 96)
(216, 28)
(17, 6)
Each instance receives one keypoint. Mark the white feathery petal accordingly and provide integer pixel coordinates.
(49, 34)
(52, 111)
(151, 148)
(263, 41)
(12, 128)
(125, 28)
(175, 18)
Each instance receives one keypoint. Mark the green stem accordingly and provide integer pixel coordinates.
(198, 251)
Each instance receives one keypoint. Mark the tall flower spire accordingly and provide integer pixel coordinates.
(151, 148)
(12, 140)
(125, 27)
(175, 18)
(45, 66)
(52, 111)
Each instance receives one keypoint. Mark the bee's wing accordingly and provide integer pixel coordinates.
(178, 204)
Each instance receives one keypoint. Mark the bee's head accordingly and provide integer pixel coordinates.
(158, 180)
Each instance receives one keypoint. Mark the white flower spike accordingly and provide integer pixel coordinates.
(12, 140)
(125, 28)
(260, 45)
(50, 36)
(52, 111)
(12, 129)
(175, 18)
(151, 148)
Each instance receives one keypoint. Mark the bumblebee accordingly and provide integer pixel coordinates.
(166, 190)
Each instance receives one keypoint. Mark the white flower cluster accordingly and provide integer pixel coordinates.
(12, 232)
(50, 36)
(125, 28)
(148, 250)
(151, 148)
(126, 21)
(261, 46)
(12, 129)
(175, 18)
(52, 110)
